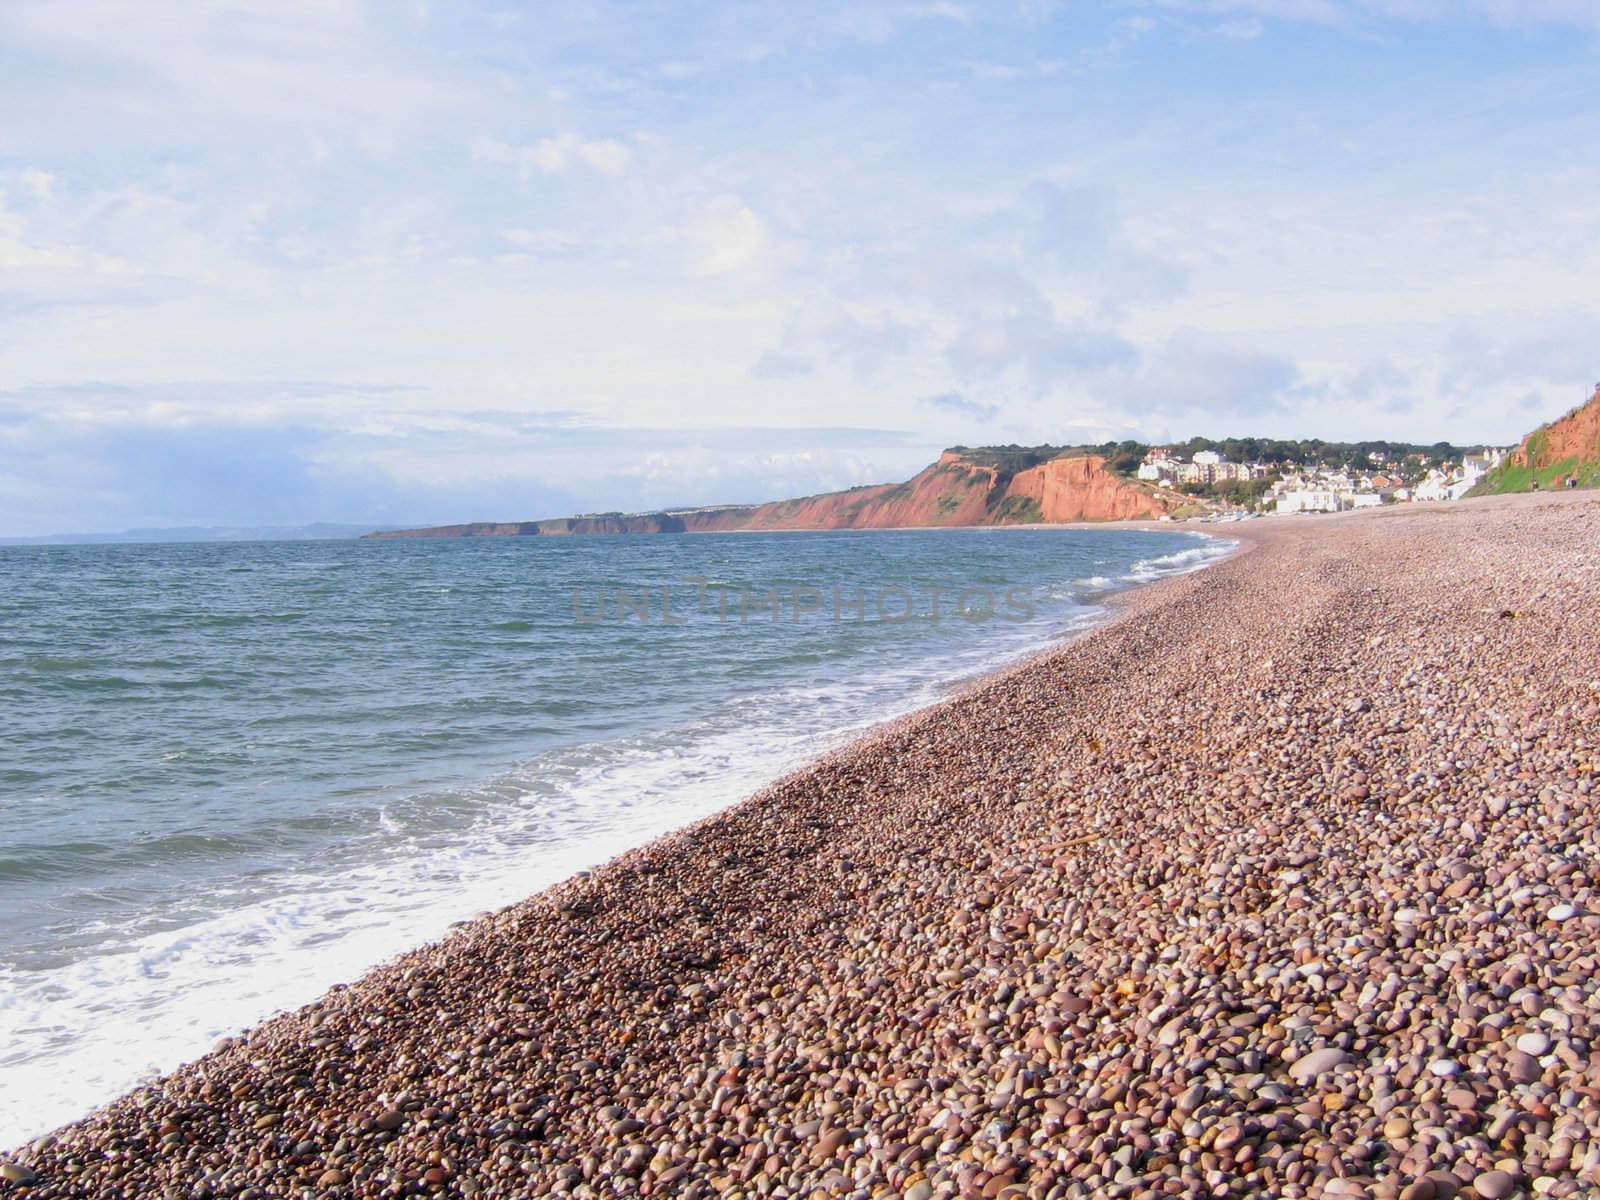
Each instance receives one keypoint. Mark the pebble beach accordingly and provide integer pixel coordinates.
(1282, 883)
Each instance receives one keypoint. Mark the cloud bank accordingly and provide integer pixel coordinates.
(264, 263)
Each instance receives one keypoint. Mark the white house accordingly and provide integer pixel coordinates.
(1309, 500)
(1480, 464)
(1435, 487)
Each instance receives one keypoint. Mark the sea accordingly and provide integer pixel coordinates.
(232, 775)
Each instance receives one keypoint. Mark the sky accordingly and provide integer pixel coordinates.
(281, 261)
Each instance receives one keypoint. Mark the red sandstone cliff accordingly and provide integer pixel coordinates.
(1574, 436)
(1081, 489)
(961, 488)
(950, 492)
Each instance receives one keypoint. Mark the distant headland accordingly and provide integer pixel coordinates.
(1127, 480)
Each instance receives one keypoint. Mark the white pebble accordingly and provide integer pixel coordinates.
(1534, 1043)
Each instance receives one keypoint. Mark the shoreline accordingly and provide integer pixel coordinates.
(934, 940)
(234, 994)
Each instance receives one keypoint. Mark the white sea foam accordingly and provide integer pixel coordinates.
(79, 1034)
(1180, 562)
(73, 1036)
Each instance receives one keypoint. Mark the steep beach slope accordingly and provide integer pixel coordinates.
(1281, 885)
(964, 487)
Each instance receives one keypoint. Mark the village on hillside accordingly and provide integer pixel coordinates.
(1364, 479)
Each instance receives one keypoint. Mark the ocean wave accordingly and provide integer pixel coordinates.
(366, 823)
(1179, 562)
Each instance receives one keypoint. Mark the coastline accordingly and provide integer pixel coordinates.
(82, 1034)
(983, 949)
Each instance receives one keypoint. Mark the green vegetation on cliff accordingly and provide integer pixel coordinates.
(1018, 510)
(1008, 460)
(1125, 456)
(1564, 452)
(1508, 478)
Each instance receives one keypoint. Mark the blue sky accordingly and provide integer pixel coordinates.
(293, 261)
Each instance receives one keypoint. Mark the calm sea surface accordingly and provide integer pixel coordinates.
(232, 775)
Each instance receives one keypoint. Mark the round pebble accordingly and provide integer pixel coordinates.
(1143, 917)
(1317, 1063)
(1534, 1044)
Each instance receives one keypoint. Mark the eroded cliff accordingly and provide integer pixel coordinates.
(1565, 450)
(964, 487)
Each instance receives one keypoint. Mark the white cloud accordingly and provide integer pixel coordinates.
(877, 22)
(40, 184)
(726, 237)
(1524, 14)
(556, 155)
(869, 342)
(40, 256)
(296, 69)
(1011, 72)
(945, 11)
(19, 253)
(890, 212)
(1243, 30)
(543, 241)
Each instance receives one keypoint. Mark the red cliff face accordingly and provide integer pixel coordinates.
(1081, 489)
(947, 493)
(1576, 436)
(953, 491)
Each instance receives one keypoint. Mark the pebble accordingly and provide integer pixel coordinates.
(1137, 919)
(1534, 1044)
(1317, 1063)
(1464, 1099)
(1523, 1068)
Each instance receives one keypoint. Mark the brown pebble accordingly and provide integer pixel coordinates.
(1247, 893)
